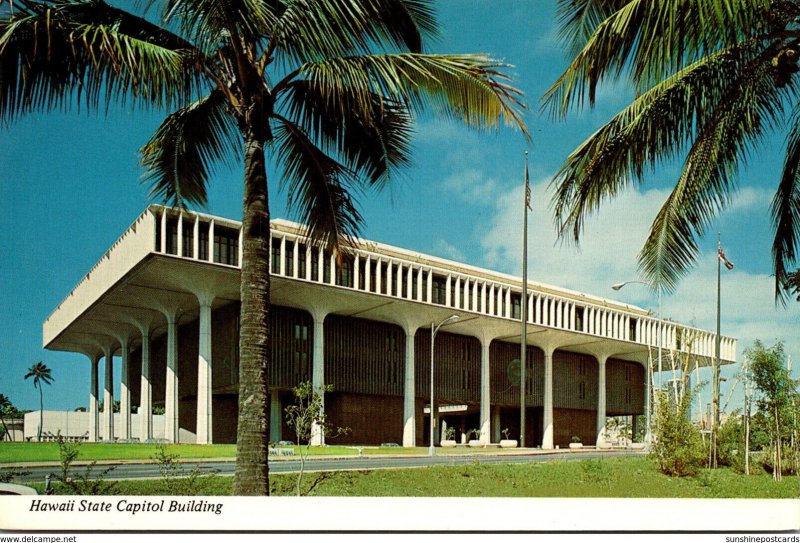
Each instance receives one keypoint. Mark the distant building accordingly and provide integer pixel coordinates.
(165, 297)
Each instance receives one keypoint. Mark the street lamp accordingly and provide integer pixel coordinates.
(434, 330)
(618, 286)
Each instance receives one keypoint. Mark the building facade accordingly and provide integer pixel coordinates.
(165, 298)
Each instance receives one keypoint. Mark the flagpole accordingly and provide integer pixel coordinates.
(524, 307)
(715, 379)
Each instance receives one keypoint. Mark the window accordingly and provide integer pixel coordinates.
(326, 266)
(516, 306)
(439, 291)
(579, 318)
(301, 262)
(226, 246)
(344, 273)
(372, 276)
(632, 329)
(413, 283)
(289, 257)
(203, 241)
(188, 239)
(314, 264)
(276, 256)
(172, 236)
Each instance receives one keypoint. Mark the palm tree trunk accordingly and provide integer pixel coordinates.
(252, 443)
(41, 412)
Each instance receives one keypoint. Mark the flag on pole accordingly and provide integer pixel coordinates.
(527, 185)
(728, 263)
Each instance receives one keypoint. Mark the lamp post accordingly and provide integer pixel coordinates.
(618, 286)
(434, 330)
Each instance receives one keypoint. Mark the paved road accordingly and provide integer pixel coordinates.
(144, 471)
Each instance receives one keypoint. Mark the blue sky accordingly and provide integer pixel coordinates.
(70, 185)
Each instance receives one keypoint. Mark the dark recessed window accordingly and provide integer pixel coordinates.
(226, 246)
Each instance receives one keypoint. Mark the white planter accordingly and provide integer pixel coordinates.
(576, 445)
(508, 443)
(448, 443)
(475, 443)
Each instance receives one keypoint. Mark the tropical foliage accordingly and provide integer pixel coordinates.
(328, 87)
(41, 376)
(711, 78)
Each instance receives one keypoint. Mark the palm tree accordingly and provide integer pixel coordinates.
(711, 77)
(6, 408)
(41, 376)
(329, 87)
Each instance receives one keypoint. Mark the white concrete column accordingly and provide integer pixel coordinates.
(108, 395)
(196, 240)
(367, 274)
(409, 283)
(164, 230)
(275, 417)
(484, 306)
(476, 305)
(296, 259)
(205, 418)
(282, 263)
(531, 314)
(124, 391)
(547, 424)
(333, 269)
(539, 315)
(572, 317)
(486, 400)
(429, 282)
(356, 271)
(320, 265)
(94, 416)
(180, 234)
(171, 425)
(496, 435)
(457, 301)
(241, 248)
(448, 285)
(307, 256)
(146, 389)
(318, 371)
(601, 401)
(508, 303)
(211, 241)
(492, 298)
(409, 392)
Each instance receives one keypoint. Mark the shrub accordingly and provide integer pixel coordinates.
(678, 447)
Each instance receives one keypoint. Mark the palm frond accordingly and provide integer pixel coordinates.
(578, 20)
(469, 88)
(209, 23)
(654, 127)
(653, 40)
(54, 52)
(786, 217)
(181, 154)
(708, 178)
(318, 187)
(314, 30)
(372, 142)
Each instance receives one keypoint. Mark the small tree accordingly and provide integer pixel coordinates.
(307, 417)
(777, 391)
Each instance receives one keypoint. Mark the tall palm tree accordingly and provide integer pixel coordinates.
(711, 78)
(41, 376)
(329, 87)
(6, 408)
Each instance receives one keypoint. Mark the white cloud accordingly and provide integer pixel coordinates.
(751, 198)
(608, 254)
(448, 250)
(471, 185)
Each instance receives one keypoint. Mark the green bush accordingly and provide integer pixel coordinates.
(678, 447)
(730, 443)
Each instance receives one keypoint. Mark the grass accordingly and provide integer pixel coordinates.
(607, 478)
(48, 452)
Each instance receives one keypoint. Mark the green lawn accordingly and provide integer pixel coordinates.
(611, 477)
(48, 452)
